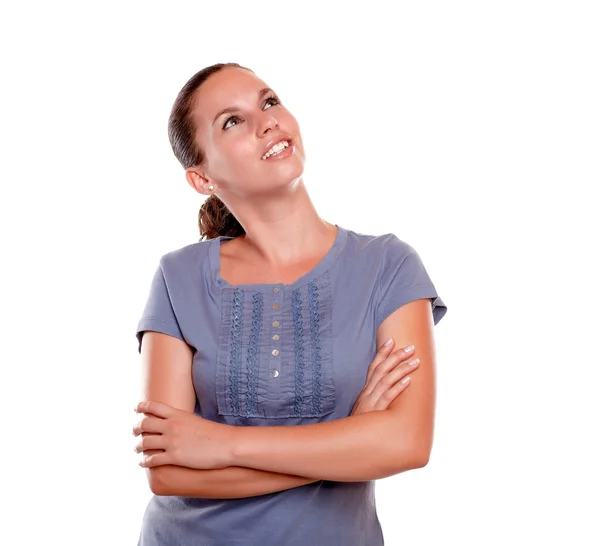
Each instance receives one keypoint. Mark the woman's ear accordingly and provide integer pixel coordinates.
(199, 182)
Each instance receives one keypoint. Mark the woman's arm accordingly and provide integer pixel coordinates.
(357, 448)
(224, 483)
(166, 370)
(360, 447)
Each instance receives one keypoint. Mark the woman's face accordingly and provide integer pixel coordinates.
(235, 142)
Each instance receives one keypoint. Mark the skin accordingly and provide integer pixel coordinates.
(187, 455)
(268, 198)
(167, 362)
(366, 446)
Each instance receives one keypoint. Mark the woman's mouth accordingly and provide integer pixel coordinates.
(281, 150)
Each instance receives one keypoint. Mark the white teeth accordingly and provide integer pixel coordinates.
(276, 149)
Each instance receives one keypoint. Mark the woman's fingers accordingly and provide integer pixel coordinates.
(156, 459)
(391, 379)
(149, 424)
(383, 383)
(159, 409)
(388, 364)
(383, 352)
(397, 357)
(151, 441)
(392, 393)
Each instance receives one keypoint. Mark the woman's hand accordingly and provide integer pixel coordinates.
(187, 439)
(384, 379)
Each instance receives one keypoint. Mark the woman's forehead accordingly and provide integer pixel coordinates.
(229, 88)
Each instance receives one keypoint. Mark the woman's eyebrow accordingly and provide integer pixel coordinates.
(231, 109)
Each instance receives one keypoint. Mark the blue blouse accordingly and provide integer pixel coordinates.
(280, 354)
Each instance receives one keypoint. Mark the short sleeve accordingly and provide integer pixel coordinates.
(402, 279)
(158, 314)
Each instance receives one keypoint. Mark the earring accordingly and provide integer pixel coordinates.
(211, 188)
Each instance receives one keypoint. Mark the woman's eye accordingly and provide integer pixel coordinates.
(228, 120)
(274, 101)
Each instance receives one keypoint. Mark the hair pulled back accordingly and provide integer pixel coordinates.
(214, 218)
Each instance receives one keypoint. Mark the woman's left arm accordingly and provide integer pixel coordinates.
(361, 447)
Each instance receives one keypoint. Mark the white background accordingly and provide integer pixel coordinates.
(468, 129)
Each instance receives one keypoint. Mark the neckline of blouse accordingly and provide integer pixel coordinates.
(214, 258)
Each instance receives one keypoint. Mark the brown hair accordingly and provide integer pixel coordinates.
(214, 218)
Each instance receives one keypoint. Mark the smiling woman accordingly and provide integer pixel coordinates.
(196, 135)
(288, 362)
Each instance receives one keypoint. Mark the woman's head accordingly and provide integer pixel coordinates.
(225, 150)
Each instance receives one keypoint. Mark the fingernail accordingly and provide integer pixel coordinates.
(414, 362)
(388, 342)
(409, 348)
(405, 380)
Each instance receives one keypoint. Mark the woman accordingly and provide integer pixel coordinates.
(268, 413)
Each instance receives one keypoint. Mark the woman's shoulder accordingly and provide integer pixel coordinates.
(385, 244)
(187, 263)
(188, 255)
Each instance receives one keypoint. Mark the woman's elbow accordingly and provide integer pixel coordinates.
(422, 459)
(156, 481)
(412, 457)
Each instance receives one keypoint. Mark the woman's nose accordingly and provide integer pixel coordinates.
(269, 123)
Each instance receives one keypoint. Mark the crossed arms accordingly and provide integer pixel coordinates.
(361, 447)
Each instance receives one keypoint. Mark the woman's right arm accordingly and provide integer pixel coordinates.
(233, 482)
(167, 377)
